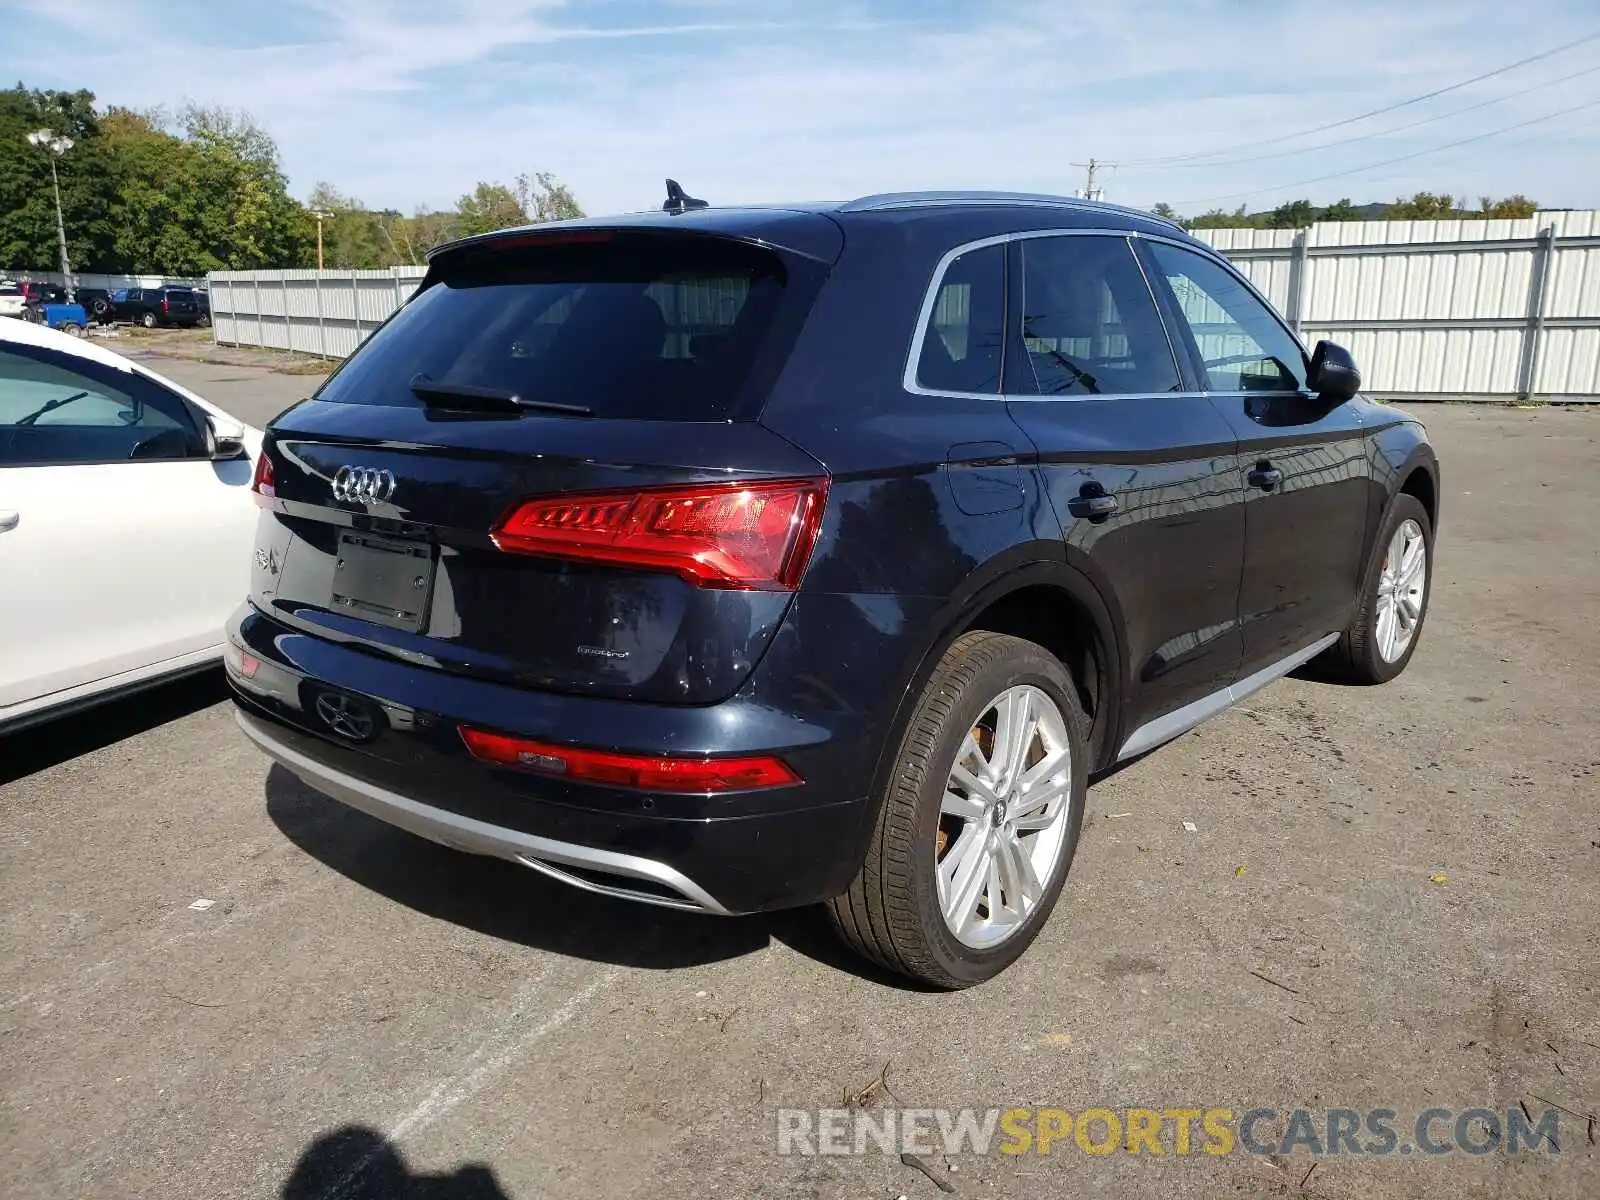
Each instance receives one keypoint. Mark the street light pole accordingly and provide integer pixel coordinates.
(55, 146)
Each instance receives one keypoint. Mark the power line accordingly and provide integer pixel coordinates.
(1377, 112)
(1362, 137)
(1400, 159)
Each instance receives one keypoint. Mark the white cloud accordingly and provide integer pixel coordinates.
(408, 104)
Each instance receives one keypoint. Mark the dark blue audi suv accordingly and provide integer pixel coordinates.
(737, 559)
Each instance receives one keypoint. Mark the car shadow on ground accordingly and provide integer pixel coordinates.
(357, 1163)
(60, 739)
(502, 900)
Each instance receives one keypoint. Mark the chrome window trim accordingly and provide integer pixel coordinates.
(1077, 397)
(930, 299)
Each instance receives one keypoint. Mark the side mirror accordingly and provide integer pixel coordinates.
(1334, 375)
(227, 439)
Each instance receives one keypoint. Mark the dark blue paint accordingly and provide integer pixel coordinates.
(939, 506)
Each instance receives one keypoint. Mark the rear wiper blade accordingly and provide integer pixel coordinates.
(489, 399)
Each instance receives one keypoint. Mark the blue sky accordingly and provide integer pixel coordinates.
(404, 104)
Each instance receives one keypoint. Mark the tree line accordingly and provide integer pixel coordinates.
(202, 189)
(355, 236)
(1297, 214)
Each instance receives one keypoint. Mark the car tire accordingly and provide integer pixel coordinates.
(71, 329)
(148, 320)
(204, 322)
(100, 310)
(930, 824)
(1379, 642)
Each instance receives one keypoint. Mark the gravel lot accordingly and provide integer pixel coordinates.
(351, 984)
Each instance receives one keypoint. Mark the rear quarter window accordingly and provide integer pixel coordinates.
(644, 326)
(965, 329)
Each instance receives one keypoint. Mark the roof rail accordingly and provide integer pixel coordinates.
(934, 199)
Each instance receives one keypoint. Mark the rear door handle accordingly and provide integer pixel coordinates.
(1265, 476)
(9, 519)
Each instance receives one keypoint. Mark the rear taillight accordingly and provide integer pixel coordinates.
(741, 535)
(262, 484)
(653, 773)
(163, 304)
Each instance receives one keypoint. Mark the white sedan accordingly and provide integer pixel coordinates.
(126, 524)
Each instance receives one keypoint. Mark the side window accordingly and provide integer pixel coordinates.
(961, 345)
(1243, 346)
(59, 410)
(1089, 323)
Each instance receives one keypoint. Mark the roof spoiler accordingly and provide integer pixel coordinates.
(679, 201)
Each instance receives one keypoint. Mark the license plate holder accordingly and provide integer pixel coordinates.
(388, 581)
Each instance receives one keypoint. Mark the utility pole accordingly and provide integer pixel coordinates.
(321, 217)
(1090, 192)
(55, 146)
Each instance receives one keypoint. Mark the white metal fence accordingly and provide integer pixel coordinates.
(1490, 310)
(327, 313)
(1483, 310)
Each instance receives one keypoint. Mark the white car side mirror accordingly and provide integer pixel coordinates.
(227, 438)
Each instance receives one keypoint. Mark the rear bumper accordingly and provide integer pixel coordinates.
(610, 873)
(742, 852)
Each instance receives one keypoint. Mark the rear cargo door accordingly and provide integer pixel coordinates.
(178, 302)
(541, 469)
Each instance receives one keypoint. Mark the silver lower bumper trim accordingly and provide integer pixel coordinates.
(544, 855)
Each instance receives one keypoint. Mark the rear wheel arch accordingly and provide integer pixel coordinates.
(1070, 621)
(1018, 602)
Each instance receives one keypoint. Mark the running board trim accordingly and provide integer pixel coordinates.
(1180, 720)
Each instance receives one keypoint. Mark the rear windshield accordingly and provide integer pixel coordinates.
(670, 327)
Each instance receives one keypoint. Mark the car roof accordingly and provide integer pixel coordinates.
(760, 221)
(945, 200)
(25, 333)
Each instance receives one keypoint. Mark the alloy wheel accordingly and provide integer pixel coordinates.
(1402, 590)
(1004, 817)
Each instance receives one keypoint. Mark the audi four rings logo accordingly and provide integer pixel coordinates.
(364, 485)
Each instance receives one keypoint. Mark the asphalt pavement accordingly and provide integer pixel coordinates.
(250, 392)
(214, 982)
